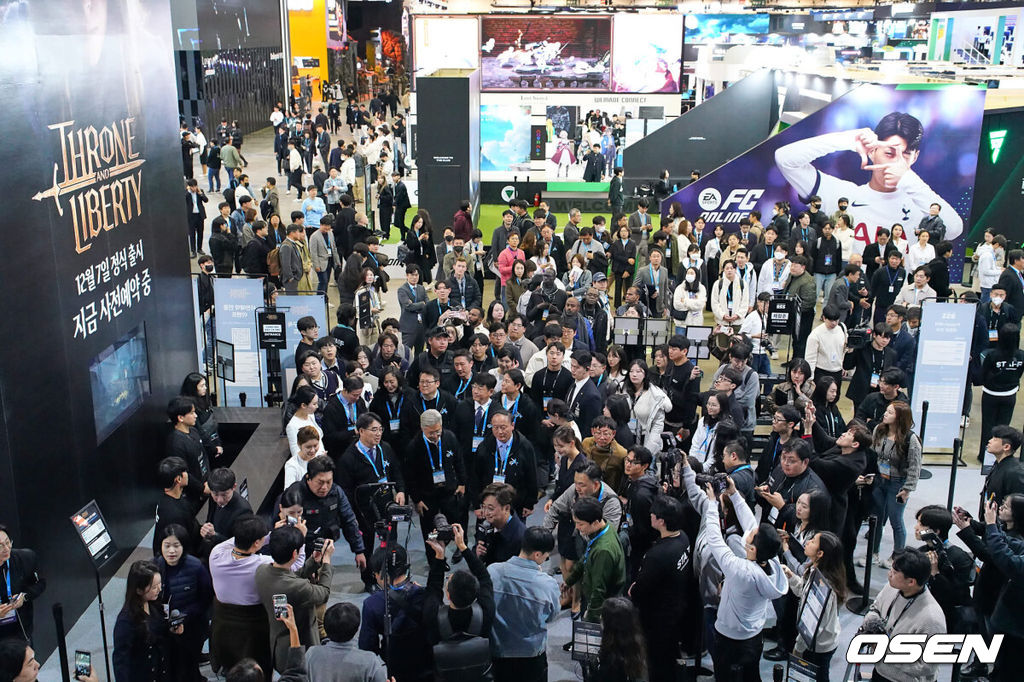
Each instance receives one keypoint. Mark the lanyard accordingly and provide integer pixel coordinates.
(1019, 276)
(548, 389)
(650, 271)
(398, 410)
(370, 459)
(436, 400)
(412, 291)
(463, 383)
(831, 419)
(600, 493)
(7, 577)
(590, 542)
(483, 424)
(600, 379)
(350, 410)
(740, 468)
(892, 275)
(888, 613)
(499, 463)
(430, 455)
(514, 410)
(707, 438)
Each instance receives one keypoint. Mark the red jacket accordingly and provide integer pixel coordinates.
(462, 226)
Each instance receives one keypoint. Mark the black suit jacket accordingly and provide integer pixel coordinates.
(24, 580)
(465, 418)
(202, 200)
(520, 472)
(335, 423)
(401, 196)
(1014, 291)
(412, 408)
(586, 406)
(418, 468)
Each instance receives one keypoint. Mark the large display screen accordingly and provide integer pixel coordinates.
(119, 377)
(545, 53)
(234, 24)
(445, 43)
(504, 137)
(721, 28)
(648, 53)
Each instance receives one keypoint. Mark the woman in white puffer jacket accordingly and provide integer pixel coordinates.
(648, 407)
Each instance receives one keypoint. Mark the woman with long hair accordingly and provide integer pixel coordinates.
(306, 401)
(898, 240)
(195, 387)
(798, 388)
(623, 655)
(577, 278)
(702, 446)
(141, 633)
(825, 568)
(517, 285)
(187, 588)
(812, 515)
(616, 407)
(367, 297)
(648, 406)
(899, 467)
(495, 313)
(825, 399)
(388, 401)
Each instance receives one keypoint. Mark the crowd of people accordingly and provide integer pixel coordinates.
(518, 430)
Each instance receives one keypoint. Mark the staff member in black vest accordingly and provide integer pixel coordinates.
(327, 510)
(21, 585)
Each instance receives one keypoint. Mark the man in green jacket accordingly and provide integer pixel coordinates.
(601, 572)
(801, 285)
(230, 159)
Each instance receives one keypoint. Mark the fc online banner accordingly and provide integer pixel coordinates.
(892, 151)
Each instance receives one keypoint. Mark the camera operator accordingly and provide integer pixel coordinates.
(868, 362)
(640, 490)
(601, 571)
(306, 590)
(662, 586)
(750, 585)
(463, 628)
(905, 606)
(952, 567)
(791, 478)
(737, 464)
(506, 458)
(500, 536)
(435, 474)
(326, 509)
(365, 463)
(405, 648)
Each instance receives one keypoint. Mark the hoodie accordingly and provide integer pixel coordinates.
(748, 588)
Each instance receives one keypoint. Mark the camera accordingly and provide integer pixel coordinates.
(318, 544)
(442, 530)
(400, 513)
(718, 481)
(667, 462)
(175, 619)
(857, 338)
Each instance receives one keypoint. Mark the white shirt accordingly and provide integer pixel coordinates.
(988, 271)
(908, 204)
(917, 256)
(276, 117)
(753, 326)
(294, 470)
(576, 389)
(292, 432)
(825, 348)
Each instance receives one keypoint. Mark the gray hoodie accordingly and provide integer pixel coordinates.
(747, 591)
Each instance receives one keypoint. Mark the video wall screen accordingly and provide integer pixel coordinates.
(119, 376)
(545, 53)
(648, 53)
(235, 24)
(702, 29)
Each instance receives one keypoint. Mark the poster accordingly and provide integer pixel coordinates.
(337, 30)
(504, 137)
(545, 53)
(943, 352)
(648, 51)
(561, 118)
(236, 301)
(891, 150)
(295, 308)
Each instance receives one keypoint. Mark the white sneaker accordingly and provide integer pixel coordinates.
(884, 563)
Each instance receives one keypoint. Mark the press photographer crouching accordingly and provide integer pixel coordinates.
(951, 567)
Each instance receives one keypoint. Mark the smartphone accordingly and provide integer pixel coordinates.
(292, 520)
(869, 477)
(83, 663)
(280, 605)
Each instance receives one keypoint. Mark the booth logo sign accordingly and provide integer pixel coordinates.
(709, 199)
(508, 193)
(875, 648)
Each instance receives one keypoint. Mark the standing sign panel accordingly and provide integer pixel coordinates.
(298, 307)
(943, 352)
(236, 303)
(199, 324)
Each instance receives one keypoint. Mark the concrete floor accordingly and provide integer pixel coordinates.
(85, 633)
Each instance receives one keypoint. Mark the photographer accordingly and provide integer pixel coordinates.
(435, 473)
(500, 535)
(952, 567)
(469, 615)
(868, 362)
(662, 586)
(326, 509)
(791, 478)
(905, 606)
(640, 490)
(1007, 553)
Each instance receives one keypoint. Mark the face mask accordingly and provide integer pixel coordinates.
(780, 255)
(690, 277)
(997, 300)
(458, 249)
(208, 268)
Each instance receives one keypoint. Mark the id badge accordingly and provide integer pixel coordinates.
(439, 477)
(828, 260)
(476, 442)
(632, 425)
(772, 515)
(874, 379)
(382, 479)
(892, 289)
(351, 427)
(393, 425)
(544, 316)
(498, 478)
(885, 469)
(993, 334)
(330, 252)
(547, 399)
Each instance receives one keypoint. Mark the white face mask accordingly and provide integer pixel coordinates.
(690, 277)
(997, 300)
(780, 255)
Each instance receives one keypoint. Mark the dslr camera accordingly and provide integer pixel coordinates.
(718, 481)
(857, 338)
(442, 532)
(400, 513)
(667, 461)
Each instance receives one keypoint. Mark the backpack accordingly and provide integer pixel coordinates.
(463, 656)
(266, 209)
(274, 262)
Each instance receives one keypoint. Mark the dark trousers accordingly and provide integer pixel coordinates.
(996, 410)
(662, 655)
(521, 669)
(838, 376)
(195, 232)
(742, 654)
(786, 608)
(400, 220)
(803, 330)
(385, 222)
(821, 661)
(295, 180)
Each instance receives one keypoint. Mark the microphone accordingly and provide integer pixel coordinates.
(175, 618)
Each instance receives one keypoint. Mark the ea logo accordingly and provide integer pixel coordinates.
(709, 199)
(508, 193)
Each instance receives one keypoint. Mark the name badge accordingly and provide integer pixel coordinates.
(632, 425)
(439, 477)
(828, 260)
(476, 442)
(382, 479)
(993, 334)
(885, 469)
(892, 289)
(393, 424)
(499, 478)
(330, 252)
(772, 515)
(874, 379)
(351, 427)
(547, 399)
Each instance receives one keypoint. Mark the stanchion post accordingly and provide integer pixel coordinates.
(924, 420)
(62, 645)
(859, 605)
(957, 445)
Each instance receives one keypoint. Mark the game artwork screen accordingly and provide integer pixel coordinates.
(119, 377)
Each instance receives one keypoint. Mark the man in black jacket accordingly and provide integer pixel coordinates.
(871, 409)
(886, 284)
(585, 400)
(939, 270)
(327, 511)
(1012, 279)
(195, 199)
(184, 441)
(225, 508)
(868, 364)
(1007, 473)
(637, 496)
(506, 458)
(402, 203)
(435, 474)
(952, 567)
(426, 396)
(877, 255)
(174, 506)
(470, 595)
(682, 385)
(661, 587)
(791, 478)
(22, 586)
(254, 255)
(436, 355)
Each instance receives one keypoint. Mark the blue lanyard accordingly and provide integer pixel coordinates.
(600, 493)
(430, 455)
(412, 291)
(436, 399)
(463, 384)
(892, 275)
(591, 542)
(398, 410)
(650, 271)
(7, 576)
(707, 438)
(350, 409)
(483, 424)
(370, 459)
(600, 379)
(499, 464)
(514, 410)
(741, 468)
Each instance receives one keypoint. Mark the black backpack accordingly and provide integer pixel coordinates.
(462, 656)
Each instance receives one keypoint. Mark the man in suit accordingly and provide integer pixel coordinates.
(402, 203)
(640, 221)
(585, 400)
(932, 223)
(840, 294)
(412, 299)
(616, 199)
(305, 590)
(324, 253)
(323, 143)
(506, 458)
(426, 395)
(291, 259)
(340, 415)
(194, 200)
(477, 412)
(594, 169)
(21, 586)
(1012, 279)
(876, 255)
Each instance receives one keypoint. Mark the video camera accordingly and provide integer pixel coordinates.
(667, 461)
(718, 481)
(858, 337)
(442, 532)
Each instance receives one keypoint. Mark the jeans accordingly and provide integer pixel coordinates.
(212, 174)
(890, 510)
(986, 295)
(761, 363)
(823, 286)
(323, 277)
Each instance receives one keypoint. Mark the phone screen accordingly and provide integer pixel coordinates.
(83, 663)
(280, 605)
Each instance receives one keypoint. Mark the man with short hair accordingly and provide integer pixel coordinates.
(464, 289)
(868, 363)
(871, 409)
(185, 441)
(801, 285)
(788, 481)
(254, 254)
(933, 225)
(826, 347)
(501, 535)
(841, 295)
(526, 601)
(323, 251)
(906, 606)
(338, 659)
(436, 355)
(326, 508)
(584, 399)
(886, 284)
(174, 506)
(602, 569)
(290, 256)
(435, 475)
(195, 199)
(226, 507)
(637, 495)
(1007, 473)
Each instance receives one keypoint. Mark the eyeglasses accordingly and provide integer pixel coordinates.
(375, 429)
(778, 420)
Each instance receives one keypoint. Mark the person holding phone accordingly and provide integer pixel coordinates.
(20, 585)
(142, 631)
